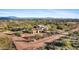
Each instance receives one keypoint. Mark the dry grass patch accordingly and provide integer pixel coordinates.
(5, 42)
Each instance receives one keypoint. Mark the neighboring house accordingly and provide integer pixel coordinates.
(39, 28)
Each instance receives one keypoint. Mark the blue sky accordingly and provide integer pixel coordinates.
(56, 13)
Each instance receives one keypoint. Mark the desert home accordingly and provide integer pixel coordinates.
(39, 28)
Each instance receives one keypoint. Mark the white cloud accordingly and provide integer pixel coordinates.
(63, 14)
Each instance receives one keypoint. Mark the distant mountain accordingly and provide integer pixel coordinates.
(25, 18)
(12, 17)
(8, 18)
(36, 18)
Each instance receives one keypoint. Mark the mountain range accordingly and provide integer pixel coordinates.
(30, 18)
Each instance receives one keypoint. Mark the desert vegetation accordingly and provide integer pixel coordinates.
(32, 30)
(6, 43)
(69, 42)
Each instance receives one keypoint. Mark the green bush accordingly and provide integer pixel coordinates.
(61, 27)
(59, 43)
(17, 34)
(76, 33)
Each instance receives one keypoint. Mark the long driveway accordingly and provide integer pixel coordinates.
(21, 45)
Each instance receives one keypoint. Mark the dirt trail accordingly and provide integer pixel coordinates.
(38, 43)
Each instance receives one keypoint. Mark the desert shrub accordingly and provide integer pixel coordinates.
(59, 43)
(17, 34)
(49, 33)
(38, 37)
(67, 42)
(70, 33)
(76, 33)
(75, 44)
(5, 42)
(61, 27)
(53, 27)
(29, 31)
(47, 47)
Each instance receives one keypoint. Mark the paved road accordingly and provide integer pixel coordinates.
(39, 43)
